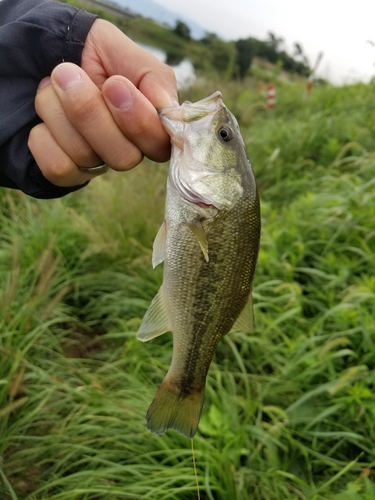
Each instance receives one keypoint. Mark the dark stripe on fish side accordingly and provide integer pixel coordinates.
(220, 281)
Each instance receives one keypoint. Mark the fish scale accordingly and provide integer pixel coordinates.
(209, 244)
(216, 296)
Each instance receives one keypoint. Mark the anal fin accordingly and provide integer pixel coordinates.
(245, 321)
(155, 322)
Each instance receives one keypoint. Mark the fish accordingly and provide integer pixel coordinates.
(209, 242)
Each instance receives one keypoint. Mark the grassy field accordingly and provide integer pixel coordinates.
(290, 408)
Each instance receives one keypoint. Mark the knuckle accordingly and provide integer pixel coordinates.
(32, 138)
(38, 102)
(83, 109)
(46, 101)
(36, 137)
(84, 155)
(59, 170)
(53, 162)
(169, 73)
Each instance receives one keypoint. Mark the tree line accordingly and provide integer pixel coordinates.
(235, 58)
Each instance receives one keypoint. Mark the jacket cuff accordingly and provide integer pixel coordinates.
(76, 36)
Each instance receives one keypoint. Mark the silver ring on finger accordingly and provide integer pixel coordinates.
(95, 170)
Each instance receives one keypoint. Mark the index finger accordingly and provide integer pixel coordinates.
(109, 52)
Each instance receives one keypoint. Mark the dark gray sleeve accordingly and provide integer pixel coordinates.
(35, 36)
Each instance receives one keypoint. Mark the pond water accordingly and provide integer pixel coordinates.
(184, 71)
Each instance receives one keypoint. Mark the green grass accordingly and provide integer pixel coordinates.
(290, 408)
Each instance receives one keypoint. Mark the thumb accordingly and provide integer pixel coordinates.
(109, 52)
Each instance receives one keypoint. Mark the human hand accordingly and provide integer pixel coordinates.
(102, 112)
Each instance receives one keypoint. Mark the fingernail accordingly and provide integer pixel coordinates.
(119, 95)
(43, 83)
(66, 75)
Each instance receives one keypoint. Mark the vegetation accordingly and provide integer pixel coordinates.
(290, 408)
(211, 55)
(182, 30)
(247, 49)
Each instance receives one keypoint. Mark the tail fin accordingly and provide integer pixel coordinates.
(171, 409)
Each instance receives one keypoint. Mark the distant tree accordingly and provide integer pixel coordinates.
(209, 38)
(265, 50)
(298, 50)
(244, 56)
(182, 30)
(299, 53)
(290, 64)
(174, 57)
(222, 54)
(275, 42)
(234, 59)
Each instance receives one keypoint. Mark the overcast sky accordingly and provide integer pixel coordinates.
(338, 28)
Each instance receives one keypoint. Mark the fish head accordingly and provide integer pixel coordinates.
(208, 152)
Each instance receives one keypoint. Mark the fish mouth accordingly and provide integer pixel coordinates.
(189, 112)
(174, 118)
(204, 107)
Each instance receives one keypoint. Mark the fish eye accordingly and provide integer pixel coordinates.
(225, 133)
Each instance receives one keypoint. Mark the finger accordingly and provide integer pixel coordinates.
(54, 163)
(51, 111)
(87, 111)
(109, 52)
(137, 118)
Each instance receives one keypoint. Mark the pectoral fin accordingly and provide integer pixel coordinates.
(245, 321)
(158, 254)
(155, 322)
(198, 231)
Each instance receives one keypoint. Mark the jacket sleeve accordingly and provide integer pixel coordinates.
(35, 36)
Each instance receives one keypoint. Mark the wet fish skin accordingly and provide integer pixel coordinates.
(209, 243)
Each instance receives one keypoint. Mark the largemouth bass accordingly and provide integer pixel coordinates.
(209, 243)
